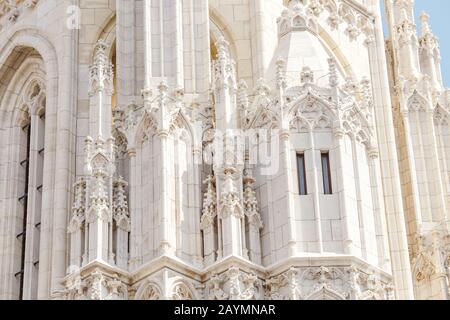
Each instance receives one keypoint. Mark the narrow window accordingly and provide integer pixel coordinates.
(326, 173)
(23, 199)
(301, 167)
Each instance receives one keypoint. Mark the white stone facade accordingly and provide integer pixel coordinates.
(222, 149)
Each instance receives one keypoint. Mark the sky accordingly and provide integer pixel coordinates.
(439, 17)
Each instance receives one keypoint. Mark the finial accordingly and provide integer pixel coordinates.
(424, 19)
(100, 51)
(163, 88)
(307, 75)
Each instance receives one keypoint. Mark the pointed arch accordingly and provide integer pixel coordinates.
(325, 293)
(181, 121)
(146, 124)
(182, 290)
(24, 105)
(312, 109)
(149, 290)
(441, 116)
(355, 123)
(107, 33)
(218, 28)
(264, 117)
(417, 102)
(20, 46)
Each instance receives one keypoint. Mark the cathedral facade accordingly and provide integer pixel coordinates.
(222, 149)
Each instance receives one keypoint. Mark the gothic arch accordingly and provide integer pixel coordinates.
(327, 41)
(441, 116)
(26, 47)
(107, 33)
(23, 105)
(318, 109)
(17, 48)
(149, 290)
(146, 125)
(355, 123)
(417, 102)
(181, 122)
(182, 290)
(325, 294)
(219, 28)
(30, 71)
(264, 116)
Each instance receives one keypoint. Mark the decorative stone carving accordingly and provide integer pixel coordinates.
(101, 71)
(230, 203)
(96, 286)
(151, 292)
(120, 205)
(12, 9)
(182, 292)
(223, 68)
(234, 285)
(209, 203)
(79, 206)
(303, 15)
(341, 283)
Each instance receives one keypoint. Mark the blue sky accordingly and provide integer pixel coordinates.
(439, 11)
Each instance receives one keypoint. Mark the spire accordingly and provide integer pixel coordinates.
(224, 74)
(424, 19)
(427, 37)
(225, 87)
(101, 71)
(405, 37)
(429, 52)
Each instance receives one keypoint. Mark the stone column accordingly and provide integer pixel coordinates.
(285, 154)
(439, 182)
(136, 225)
(412, 168)
(379, 208)
(389, 161)
(343, 199)
(99, 163)
(197, 189)
(227, 168)
(254, 219)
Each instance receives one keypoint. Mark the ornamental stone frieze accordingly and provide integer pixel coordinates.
(430, 260)
(234, 284)
(97, 284)
(306, 106)
(338, 14)
(329, 283)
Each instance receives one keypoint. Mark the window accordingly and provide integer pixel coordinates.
(301, 167)
(23, 200)
(326, 173)
(29, 195)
